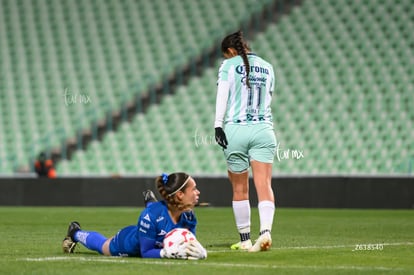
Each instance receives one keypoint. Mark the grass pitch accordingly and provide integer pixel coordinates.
(305, 241)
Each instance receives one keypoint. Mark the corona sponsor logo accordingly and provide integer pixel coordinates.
(253, 69)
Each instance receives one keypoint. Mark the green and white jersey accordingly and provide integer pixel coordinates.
(244, 105)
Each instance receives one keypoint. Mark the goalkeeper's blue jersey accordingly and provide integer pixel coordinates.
(146, 238)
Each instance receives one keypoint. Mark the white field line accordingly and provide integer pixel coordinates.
(200, 263)
(120, 260)
(312, 247)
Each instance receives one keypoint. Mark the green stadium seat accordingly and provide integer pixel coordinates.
(342, 69)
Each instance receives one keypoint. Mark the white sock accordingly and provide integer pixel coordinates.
(266, 213)
(241, 210)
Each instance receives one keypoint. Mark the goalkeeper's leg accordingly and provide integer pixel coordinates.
(91, 240)
(69, 243)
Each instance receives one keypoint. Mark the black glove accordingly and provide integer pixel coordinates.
(221, 137)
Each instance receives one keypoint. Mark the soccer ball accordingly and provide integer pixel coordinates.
(178, 236)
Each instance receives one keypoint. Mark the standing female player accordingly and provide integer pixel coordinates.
(146, 238)
(244, 93)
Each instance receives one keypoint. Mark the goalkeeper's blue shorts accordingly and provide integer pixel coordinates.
(125, 243)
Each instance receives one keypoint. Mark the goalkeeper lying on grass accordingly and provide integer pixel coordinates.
(158, 218)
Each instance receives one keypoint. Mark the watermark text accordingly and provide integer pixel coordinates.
(202, 140)
(368, 247)
(284, 154)
(72, 98)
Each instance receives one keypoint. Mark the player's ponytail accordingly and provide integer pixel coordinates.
(241, 50)
(236, 41)
(169, 185)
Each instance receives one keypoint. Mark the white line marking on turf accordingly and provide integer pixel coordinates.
(121, 260)
(317, 247)
(341, 246)
(124, 260)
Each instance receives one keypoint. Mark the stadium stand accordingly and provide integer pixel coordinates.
(67, 65)
(344, 94)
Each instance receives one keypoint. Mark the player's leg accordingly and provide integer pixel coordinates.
(68, 243)
(240, 185)
(241, 208)
(238, 165)
(262, 155)
(262, 177)
(90, 239)
(106, 247)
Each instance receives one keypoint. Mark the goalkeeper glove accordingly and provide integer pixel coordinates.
(221, 137)
(177, 251)
(196, 251)
(191, 250)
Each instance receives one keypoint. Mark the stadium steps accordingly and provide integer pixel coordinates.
(344, 96)
(111, 52)
(341, 73)
(175, 139)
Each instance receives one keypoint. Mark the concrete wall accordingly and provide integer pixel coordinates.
(323, 192)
